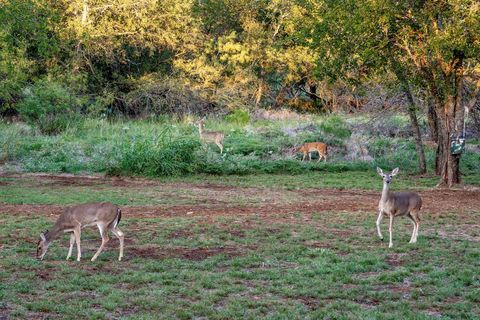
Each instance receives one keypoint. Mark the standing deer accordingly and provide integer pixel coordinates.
(210, 136)
(398, 204)
(320, 147)
(106, 216)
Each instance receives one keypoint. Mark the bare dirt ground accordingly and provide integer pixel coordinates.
(212, 199)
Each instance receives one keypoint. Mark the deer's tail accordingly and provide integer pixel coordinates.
(115, 222)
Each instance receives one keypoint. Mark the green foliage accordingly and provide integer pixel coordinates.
(239, 117)
(48, 105)
(165, 147)
(14, 72)
(336, 126)
(156, 158)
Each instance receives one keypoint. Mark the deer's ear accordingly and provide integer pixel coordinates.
(395, 171)
(42, 236)
(380, 171)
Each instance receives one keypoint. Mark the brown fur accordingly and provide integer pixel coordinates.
(210, 136)
(396, 204)
(106, 216)
(308, 147)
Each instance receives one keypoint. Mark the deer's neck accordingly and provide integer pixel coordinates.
(53, 234)
(385, 193)
(200, 129)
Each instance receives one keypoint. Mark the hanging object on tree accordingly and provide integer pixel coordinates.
(457, 146)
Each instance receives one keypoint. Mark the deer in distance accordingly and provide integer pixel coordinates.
(210, 136)
(106, 216)
(308, 147)
(396, 204)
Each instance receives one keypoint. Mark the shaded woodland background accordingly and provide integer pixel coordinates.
(141, 59)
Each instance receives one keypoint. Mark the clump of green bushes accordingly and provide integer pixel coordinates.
(49, 106)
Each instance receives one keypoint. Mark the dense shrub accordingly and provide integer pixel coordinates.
(238, 116)
(151, 157)
(49, 106)
(166, 96)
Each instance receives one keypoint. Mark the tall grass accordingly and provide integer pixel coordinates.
(166, 147)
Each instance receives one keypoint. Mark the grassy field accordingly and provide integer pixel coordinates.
(253, 233)
(277, 247)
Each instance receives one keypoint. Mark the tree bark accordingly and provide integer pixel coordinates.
(411, 109)
(450, 116)
(432, 121)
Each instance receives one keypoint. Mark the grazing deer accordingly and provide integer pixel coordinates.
(398, 204)
(73, 219)
(210, 136)
(306, 148)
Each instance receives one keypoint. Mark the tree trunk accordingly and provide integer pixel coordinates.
(432, 121)
(411, 109)
(450, 122)
(447, 164)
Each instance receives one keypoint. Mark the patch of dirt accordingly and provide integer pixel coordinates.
(403, 288)
(434, 312)
(311, 302)
(44, 275)
(177, 234)
(318, 244)
(367, 302)
(270, 204)
(193, 254)
(395, 259)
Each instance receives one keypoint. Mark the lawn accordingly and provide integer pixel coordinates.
(208, 248)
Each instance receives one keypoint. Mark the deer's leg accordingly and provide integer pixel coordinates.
(379, 220)
(76, 232)
(72, 242)
(120, 237)
(325, 158)
(220, 146)
(304, 156)
(309, 156)
(416, 231)
(409, 215)
(417, 225)
(390, 231)
(105, 239)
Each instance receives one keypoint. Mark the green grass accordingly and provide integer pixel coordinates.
(295, 266)
(273, 265)
(166, 191)
(166, 147)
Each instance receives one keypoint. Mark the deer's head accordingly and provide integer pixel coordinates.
(387, 177)
(200, 122)
(42, 245)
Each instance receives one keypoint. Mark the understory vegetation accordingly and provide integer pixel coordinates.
(167, 147)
